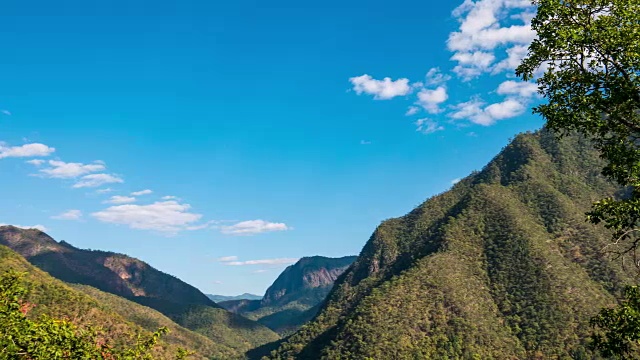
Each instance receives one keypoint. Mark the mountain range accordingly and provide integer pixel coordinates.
(137, 292)
(295, 295)
(502, 266)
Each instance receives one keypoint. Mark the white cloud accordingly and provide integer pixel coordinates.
(141, 192)
(69, 215)
(412, 110)
(472, 64)
(164, 216)
(455, 181)
(431, 99)
(515, 54)
(35, 162)
(252, 227)
(485, 25)
(227, 258)
(217, 282)
(380, 89)
(435, 77)
(27, 150)
(169, 197)
(280, 261)
(95, 180)
(365, 142)
(119, 199)
(519, 88)
(506, 109)
(260, 271)
(427, 126)
(37, 227)
(104, 191)
(476, 111)
(64, 170)
(480, 26)
(6, 112)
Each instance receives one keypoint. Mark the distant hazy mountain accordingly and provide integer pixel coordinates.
(137, 281)
(294, 296)
(502, 266)
(245, 296)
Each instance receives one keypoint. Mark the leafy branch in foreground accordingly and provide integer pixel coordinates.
(49, 338)
(617, 327)
(589, 52)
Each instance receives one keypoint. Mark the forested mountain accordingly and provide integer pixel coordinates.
(294, 296)
(502, 266)
(136, 281)
(117, 317)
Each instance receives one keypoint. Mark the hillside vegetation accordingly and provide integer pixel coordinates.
(502, 266)
(134, 281)
(53, 298)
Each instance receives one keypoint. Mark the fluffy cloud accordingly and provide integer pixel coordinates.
(427, 126)
(476, 111)
(280, 261)
(27, 150)
(472, 64)
(455, 181)
(37, 227)
(63, 170)
(164, 216)
(481, 28)
(430, 100)
(119, 199)
(252, 227)
(104, 191)
(169, 197)
(515, 54)
(518, 88)
(380, 89)
(95, 180)
(141, 192)
(69, 215)
(485, 25)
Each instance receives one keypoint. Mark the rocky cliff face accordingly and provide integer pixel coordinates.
(295, 295)
(309, 273)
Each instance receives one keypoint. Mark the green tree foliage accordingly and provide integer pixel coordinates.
(591, 52)
(619, 336)
(49, 338)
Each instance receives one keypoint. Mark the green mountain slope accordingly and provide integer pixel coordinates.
(294, 296)
(90, 307)
(502, 266)
(137, 281)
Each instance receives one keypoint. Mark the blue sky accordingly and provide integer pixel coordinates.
(221, 141)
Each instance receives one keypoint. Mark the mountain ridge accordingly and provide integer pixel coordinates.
(137, 281)
(501, 266)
